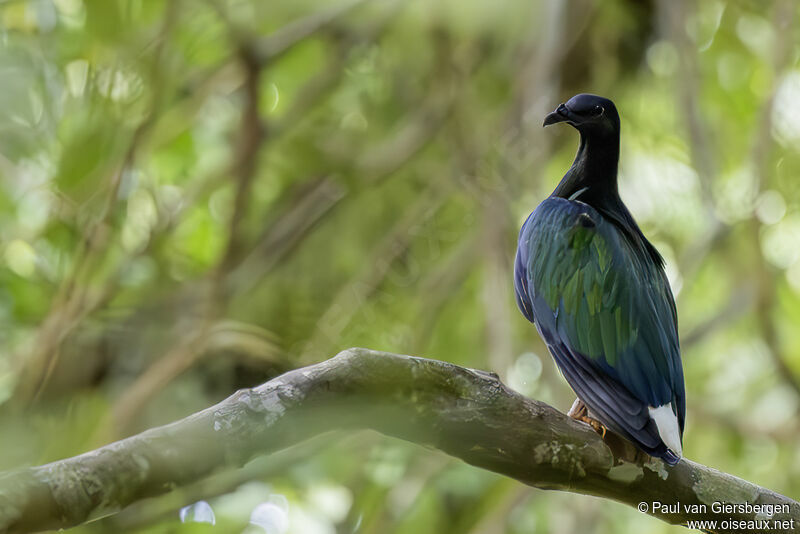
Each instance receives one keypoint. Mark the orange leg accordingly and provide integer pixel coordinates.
(580, 412)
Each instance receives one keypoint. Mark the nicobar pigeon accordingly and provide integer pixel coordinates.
(595, 288)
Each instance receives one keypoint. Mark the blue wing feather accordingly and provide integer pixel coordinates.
(605, 310)
(521, 280)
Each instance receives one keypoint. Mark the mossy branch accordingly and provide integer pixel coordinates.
(468, 414)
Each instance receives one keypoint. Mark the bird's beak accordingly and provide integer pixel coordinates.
(561, 114)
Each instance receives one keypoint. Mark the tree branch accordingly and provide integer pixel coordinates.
(468, 414)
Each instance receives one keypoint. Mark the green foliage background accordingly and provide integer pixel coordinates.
(196, 196)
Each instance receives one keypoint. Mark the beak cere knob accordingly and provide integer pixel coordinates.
(559, 115)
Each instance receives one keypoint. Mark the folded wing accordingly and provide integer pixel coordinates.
(607, 314)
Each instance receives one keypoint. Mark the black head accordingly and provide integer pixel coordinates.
(586, 113)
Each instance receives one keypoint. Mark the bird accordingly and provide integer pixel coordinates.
(596, 290)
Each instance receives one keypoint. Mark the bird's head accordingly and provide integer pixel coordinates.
(587, 113)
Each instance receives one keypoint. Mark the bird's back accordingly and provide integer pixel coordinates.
(604, 307)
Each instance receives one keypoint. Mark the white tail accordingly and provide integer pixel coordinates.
(667, 424)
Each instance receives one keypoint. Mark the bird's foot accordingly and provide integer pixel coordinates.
(580, 412)
(578, 409)
(595, 424)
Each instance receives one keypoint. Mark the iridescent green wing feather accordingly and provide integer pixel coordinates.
(605, 300)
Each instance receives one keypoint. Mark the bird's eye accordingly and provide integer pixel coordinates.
(597, 110)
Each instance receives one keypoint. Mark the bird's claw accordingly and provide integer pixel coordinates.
(595, 424)
(580, 412)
